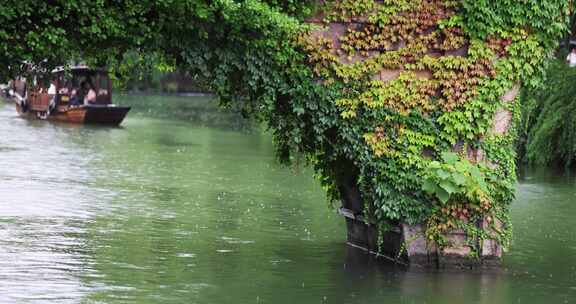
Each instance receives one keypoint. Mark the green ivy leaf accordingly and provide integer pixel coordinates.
(475, 172)
(442, 195)
(462, 166)
(450, 157)
(448, 187)
(429, 186)
(443, 174)
(459, 178)
(434, 165)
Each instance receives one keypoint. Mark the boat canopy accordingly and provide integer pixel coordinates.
(97, 79)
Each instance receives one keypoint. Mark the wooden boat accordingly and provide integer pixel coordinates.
(64, 98)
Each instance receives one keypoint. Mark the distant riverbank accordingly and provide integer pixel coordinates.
(196, 108)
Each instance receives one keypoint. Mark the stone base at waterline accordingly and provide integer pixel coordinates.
(407, 245)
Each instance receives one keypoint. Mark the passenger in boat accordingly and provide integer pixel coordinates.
(52, 95)
(52, 88)
(63, 91)
(89, 93)
(74, 98)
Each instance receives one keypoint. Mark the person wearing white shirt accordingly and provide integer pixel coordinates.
(52, 89)
(571, 59)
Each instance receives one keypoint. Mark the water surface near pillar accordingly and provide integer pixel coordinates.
(178, 206)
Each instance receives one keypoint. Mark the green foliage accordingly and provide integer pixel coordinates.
(488, 17)
(53, 33)
(297, 8)
(452, 177)
(549, 119)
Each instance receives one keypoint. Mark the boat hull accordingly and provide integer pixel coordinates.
(88, 114)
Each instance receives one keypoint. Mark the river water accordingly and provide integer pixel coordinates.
(163, 210)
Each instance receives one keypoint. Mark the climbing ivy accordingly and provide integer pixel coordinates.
(415, 82)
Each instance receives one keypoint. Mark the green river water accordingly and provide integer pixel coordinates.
(178, 206)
